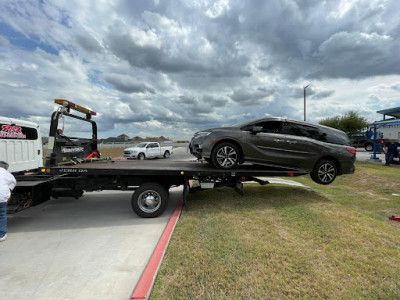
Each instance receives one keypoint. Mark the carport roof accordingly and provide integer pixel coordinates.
(393, 112)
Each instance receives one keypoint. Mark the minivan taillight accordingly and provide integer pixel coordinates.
(352, 150)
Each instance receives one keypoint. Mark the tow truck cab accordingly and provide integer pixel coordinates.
(20, 145)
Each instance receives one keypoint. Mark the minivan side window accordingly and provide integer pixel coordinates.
(301, 130)
(270, 126)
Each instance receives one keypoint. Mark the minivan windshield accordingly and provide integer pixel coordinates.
(141, 145)
(243, 124)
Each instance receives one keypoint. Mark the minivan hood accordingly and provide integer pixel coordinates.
(218, 128)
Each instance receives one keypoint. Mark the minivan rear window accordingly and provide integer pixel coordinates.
(302, 130)
(334, 137)
(8, 131)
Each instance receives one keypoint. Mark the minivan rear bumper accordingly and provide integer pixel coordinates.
(347, 167)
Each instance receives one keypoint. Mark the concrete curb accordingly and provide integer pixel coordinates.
(146, 282)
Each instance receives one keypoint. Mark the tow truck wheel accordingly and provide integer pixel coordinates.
(369, 147)
(149, 200)
(141, 156)
(324, 172)
(166, 154)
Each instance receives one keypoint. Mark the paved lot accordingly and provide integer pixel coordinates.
(91, 248)
(362, 155)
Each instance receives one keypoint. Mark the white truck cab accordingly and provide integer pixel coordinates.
(20, 144)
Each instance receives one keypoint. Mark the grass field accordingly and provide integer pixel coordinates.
(281, 242)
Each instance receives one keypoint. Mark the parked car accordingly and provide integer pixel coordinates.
(322, 151)
(147, 150)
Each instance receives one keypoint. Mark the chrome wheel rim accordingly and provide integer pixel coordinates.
(227, 156)
(149, 201)
(369, 148)
(166, 154)
(141, 157)
(326, 172)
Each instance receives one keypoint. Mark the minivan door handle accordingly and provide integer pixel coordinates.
(278, 140)
(291, 142)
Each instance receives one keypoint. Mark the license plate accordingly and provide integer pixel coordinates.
(207, 185)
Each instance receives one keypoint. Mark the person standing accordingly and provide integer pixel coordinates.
(7, 184)
(390, 149)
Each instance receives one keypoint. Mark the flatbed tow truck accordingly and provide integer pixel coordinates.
(73, 166)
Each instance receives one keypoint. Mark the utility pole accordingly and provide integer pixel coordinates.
(305, 102)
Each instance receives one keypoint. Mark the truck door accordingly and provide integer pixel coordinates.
(152, 149)
(157, 149)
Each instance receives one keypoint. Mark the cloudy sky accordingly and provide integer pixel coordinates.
(170, 68)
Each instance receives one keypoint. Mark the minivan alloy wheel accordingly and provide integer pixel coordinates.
(225, 156)
(326, 172)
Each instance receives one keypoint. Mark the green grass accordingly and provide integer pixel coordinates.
(282, 242)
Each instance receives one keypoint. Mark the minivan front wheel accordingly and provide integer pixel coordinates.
(325, 172)
(225, 156)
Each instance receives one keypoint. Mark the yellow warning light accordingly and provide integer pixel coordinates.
(72, 105)
(43, 170)
(182, 172)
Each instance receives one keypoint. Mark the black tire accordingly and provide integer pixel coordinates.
(149, 200)
(369, 147)
(141, 156)
(225, 156)
(167, 154)
(325, 172)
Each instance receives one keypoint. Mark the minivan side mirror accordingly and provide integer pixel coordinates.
(256, 129)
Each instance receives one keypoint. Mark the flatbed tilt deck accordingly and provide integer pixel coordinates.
(66, 176)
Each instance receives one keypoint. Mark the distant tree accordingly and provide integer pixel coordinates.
(351, 122)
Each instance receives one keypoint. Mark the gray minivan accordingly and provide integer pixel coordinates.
(322, 151)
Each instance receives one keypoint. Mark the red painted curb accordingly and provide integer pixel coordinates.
(146, 282)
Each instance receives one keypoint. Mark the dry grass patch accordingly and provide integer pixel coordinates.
(281, 242)
(112, 152)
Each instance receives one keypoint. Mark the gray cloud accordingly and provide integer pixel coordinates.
(127, 84)
(358, 55)
(167, 53)
(204, 105)
(88, 43)
(251, 97)
(322, 94)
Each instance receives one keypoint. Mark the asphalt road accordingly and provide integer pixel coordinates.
(95, 247)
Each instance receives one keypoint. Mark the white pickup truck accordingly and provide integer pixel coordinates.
(147, 150)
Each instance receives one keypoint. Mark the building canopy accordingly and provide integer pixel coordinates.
(391, 112)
